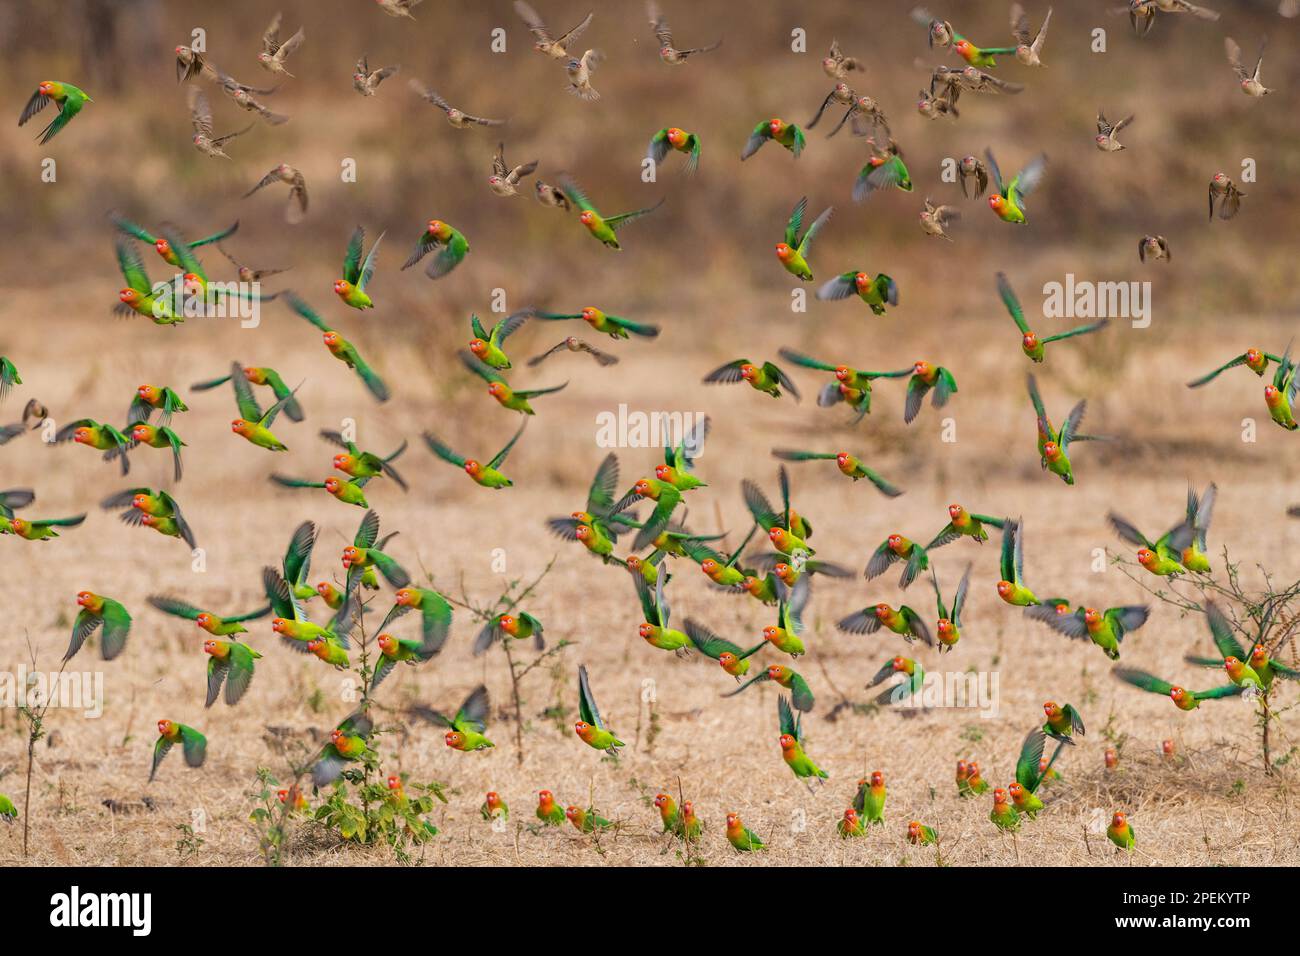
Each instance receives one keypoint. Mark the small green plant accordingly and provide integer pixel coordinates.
(189, 843)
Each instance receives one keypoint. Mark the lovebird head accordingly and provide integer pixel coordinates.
(883, 611)
(1051, 710)
(143, 433)
(90, 601)
(84, 435)
(394, 782)
(1177, 695)
(343, 462)
(770, 632)
(708, 565)
(478, 347)
(1005, 590)
(342, 287)
(1051, 451)
(783, 252)
(216, 648)
(997, 203)
(1017, 792)
(785, 573)
(509, 624)
(333, 485)
(583, 730)
(438, 230)
(851, 818)
(499, 390)
(644, 488)
(956, 513)
(842, 459)
(945, 628)
(1146, 557)
(861, 281)
(255, 375)
(166, 728)
(493, 800)
(204, 620)
(149, 393)
(923, 369)
(788, 742)
(588, 218)
(776, 126)
(877, 779)
(332, 340)
(51, 88)
(591, 315)
(406, 597)
(241, 427)
(351, 555)
(388, 644)
(727, 659)
(677, 137)
(963, 770)
(130, 296)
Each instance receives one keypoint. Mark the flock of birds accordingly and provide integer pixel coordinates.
(779, 578)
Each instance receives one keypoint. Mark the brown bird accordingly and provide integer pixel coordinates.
(246, 101)
(841, 93)
(939, 32)
(35, 410)
(549, 195)
(284, 173)
(1229, 197)
(1142, 13)
(862, 109)
(556, 49)
(972, 79)
(366, 82)
(247, 274)
(580, 71)
(837, 65)
(505, 179)
(274, 53)
(201, 120)
(457, 118)
(191, 63)
(1154, 246)
(1027, 50)
(1250, 82)
(933, 107)
(398, 8)
(574, 344)
(972, 168)
(935, 218)
(1106, 133)
(664, 34)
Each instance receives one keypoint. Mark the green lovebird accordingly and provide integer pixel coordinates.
(679, 461)
(741, 837)
(876, 292)
(784, 635)
(37, 530)
(486, 344)
(144, 503)
(1012, 588)
(616, 327)
(919, 834)
(600, 512)
(678, 139)
(588, 820)
(948, 627)
(604, 228)
(513, 399)
(348, 492)
(1245, 668)
(1031, 771)
(296, 563)
(439, 235)
(8, 812)
(666, 499)
(1008, 200)
(349, 742)
(356, 272)
(364, 464)
(1254, 359)
(259, 376)
(215, 624)
(762, 378)
(1183, 699)
(851, 385)
(924, 378)
(231, 663)
(981, 56)
(98, 610)
(363, 557)
(1031, 344)
(769, 518)
(1120, 832)
(732, 658)
(654, 628)
(494, 806)
(1105, 628)
(795, 247)
(849, 465)
(193, 745)
(8, 376)
(330, 650)
(341, 348)
(548, 811)
(1004, 815)
(70, 100)
(669, 813)
(800, 764)
(1280, 395)
(486, 475)
(869, 800)
(162, 244)
(160, 436)
(139, 295)
(914, 680)
(962, 523)
(465, 730)
(519, 625)
(590, 728)
(151, 398)
(93, 434)
(435, 617)
(884, 168)
(801, 694)
(1062, 722)
(1200, 510)
(1161, 557)
(850, 825)
(292, 625)
(904, 621)
(718, 567)
(777, 130)
(1052, 443)
(894, 548)
(253, 424)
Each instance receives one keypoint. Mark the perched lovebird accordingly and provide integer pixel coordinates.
(1052, 443)
(231, 663)
(678, 139)
(142, 503)
(791, 741)
(590, 728)
(1120, 832)
(548, 811)
(1030, 773)
(1244, 668)
(363, 557)
(348, 743)
(1062, 722)
(793, 250)
(139, 295)
(340, 348)
(741, 837)
(763, 378)
(604, 228)
(1280, 395)
(37, 530)
(904, 621)
(849, 465)
(193, 745)
(450, 241)
(948, 628)
(784, 635)
(913, 680)
(869, 801)
(732, 658)
(1004, 816)
(669, 813)
(357, 272)
(486, 344)
(1105, 628)
(296, 208)
(884, 168)
(1225, 193)
(519, 625)
(616, 327)
(1183, 699)
(97, 610)
(1027, 49)
(918, 834)
(962, 523)
(850, 825)
(516, 400)
(1031, 344)
(1009, 199)
(465, 730)
(588, 820)
(151, 398)
(898, 548)
(1161, 557)
(70, 100)
(253, 424)
(977, 784)
(294, 799)
(256, 375)
(777, 130)
(664, 35)
(801, 694)
(93, 434)
(851, 385)
(1012, 588)
(692, 826)
(160, 436)
(485, 474)
(494, 806)
(1248, 80)
(963, 779)
(212, 623)
(1254, 359)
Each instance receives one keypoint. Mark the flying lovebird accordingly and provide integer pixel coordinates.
(151, 398)
(296, 209)
(1106, 629)
(359, 464)
(877, 292)
(672, 138)
(962, 523)
(485, 474)
(1183, 699)
(590, 728)
(603, 228)
(350, 492)
(666, 498)
(435, 617)
(194, 745)
(784, 634)
(763, 378)
(1031, 344)
(518, 625)
(9, 376)
(465, 730)
(600, 511)
(362, 558)
(349, 742)
(791, 740)
(924, 378)
(884, 168)
(732, 658)
(1244, 668)
(1063, 723)
(93, 434)
(215, 624)
(256, 375)
(297, 632)
(1200, 511)
(69, 99)
(664, 35)
(159, 436)
(450, 241)
(456, 117)
(741, 837)
(981, 56)
(366, 81)
(654, 629)
(801, 695)
(1248, 80)
(1225, 193)
(229, 663)
(1162, 557)
(778, 131)
(913, 680)
(851, 385)
(1254, 359)
(340, 348)
(1009, 200)
(1011, 588)
(1053, 443)
(894, 548)
(37, 529)
(548, 45)
(948, 627)
(161, 244)
(505, 179)
(253, 424)
(1280, 395)
(357, 272)
(1031, 771)
(616, 327)
(140, 296)
(904, 621)
(1028, 50)
(96, 611)
(507, 397)
(849, 465)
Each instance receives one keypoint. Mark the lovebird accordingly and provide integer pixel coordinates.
(364, 465)
(896, 548)
(70, 99)
(1012, 588)
(293, 626)
(507, 397)
(93, 434)
(1279, 396)
(193, 745)
(1004, 816)
(1008, 199)
(869, 800)
(1200, 511)
(520, 625)
(913, 680)
(348, 743)
(678, 139)
(1256, 666)
(850, 825)
(732, 658)
(1030, 343)
(588, 820)
(776, 130)
(139, 295)
(340, 348)
(848, 464)
(904, 621)
(96, 611)
(484, 474)
(1120, 832)
(1254, 359)
(720, 568)
(435, 616)
(397, 650)
(784, 635)
(151, 398)
(439, 235)
(9, 376)
(142, 503)
(363, 557)
(1053, 443)
(963, 523)
(654, 629)
(1183, 699)
(884, 168)
(926, 377)
(981, 56)
(1160, 557)
(792, 251)
(465, 730)
(1030, 773)
(918, 834)
(616, 327)
(259, 375)
(357, 272)
(877, 292)
(791, 740)
(851, 385)
(766, 378)
(1062, 722)
(590, 728)
(330, 650)
(214, 624)
(602, 228)
(231, 663)
(8, 812)
(948, 628)
(801, 695)
(486, 344)
(160, 436)
(38, 530)
(741, 837)
(548, 811)
(163, 245)
(493, 807)
(1106, 629)
(670, 814)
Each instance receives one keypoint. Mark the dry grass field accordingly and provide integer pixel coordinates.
(702, 268)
